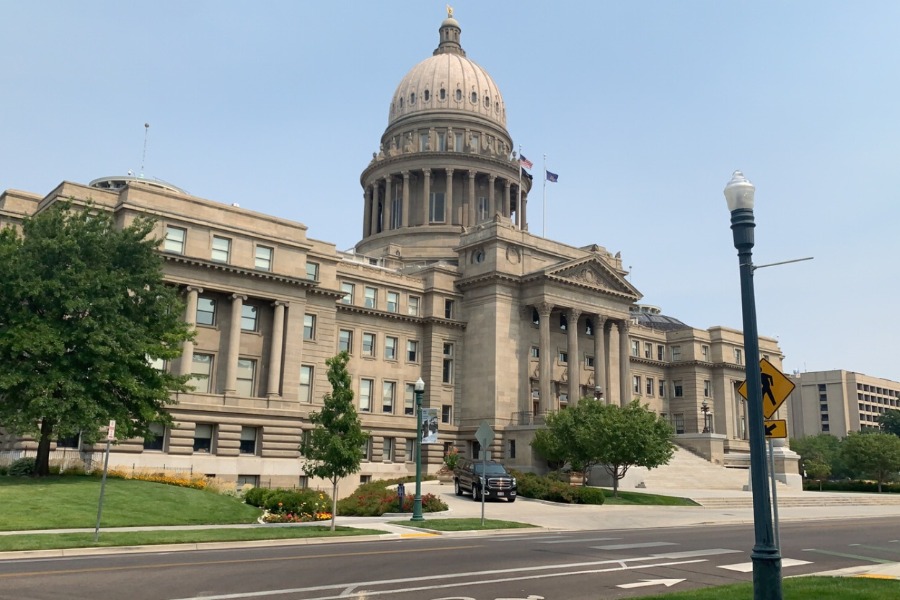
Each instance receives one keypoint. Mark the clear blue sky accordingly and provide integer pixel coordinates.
(643, 108)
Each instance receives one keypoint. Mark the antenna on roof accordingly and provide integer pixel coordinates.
(144, 157)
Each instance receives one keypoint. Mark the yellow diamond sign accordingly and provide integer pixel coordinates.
(776, 387)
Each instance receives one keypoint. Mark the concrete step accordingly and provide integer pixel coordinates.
(809, 499)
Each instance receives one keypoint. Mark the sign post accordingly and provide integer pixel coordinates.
(110, 436)
(485, 436)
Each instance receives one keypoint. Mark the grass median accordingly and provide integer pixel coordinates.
(798, 588)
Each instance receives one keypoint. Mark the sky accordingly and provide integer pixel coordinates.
(643, 108)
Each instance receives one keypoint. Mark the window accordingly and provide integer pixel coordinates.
(679, 422)
(248, 440)
(388, 390)
(348, 290)
(409, 399)
(707, 388)
(201, 372)
(371, 299)
(442, 141)
(662, 388)
(206, 311)
(71, 441)
(738, 356)
(704, 352)
(387, 450)
(649, 387)
(412, 351)
(636, 384)
(511, 449)
(365, 395)
(678, 388)
(244, 480)
(312, 271)
(436, 207)
(563, 357)
(309, 327)
(588, 327)
(535, 352)
(446, 413)
(306, 379)
(660, 352)
(482, 208)
(390, 348)
(589, 362)
(221, 249)
(203, 438)
(449, 306)
(412, 306)
(248, 317)
(368, 344)
(393, 302)
(410, 450)
(366, 449)
(264, 258)
(447, 373)
(635, 348)
(458, 144)
(160, 364)
(535, 317)
(345, 341)
(175, 237)
(676, 353)
(246, 374)
(157, 437)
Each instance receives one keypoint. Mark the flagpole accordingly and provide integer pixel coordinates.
(519, 199)
(544, 201)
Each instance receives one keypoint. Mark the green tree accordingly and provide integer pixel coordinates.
(331, 450)
(83, 312)
(818, 452)
(890, 421)
(875, 454)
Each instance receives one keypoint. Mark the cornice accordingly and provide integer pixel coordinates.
(226, 268)
(361, 310)
(471, 282)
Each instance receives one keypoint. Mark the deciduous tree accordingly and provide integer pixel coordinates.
(83, 313)
(890, 421)
(876, 454)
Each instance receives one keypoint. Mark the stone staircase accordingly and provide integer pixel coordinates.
(687, 471)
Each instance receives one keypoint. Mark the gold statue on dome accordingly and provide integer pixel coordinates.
(449, 12)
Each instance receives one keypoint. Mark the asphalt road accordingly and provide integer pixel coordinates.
(549, 565)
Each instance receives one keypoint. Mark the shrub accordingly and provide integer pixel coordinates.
(590, 495)
(290, 506)
(24, 467)
(374, 499)
(257, 496)
(552, 489)
(4, 470)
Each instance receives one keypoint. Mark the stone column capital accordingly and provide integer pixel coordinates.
(426, 172)
(623, 325)
(572, 315)
(240, 297)
(544, 309)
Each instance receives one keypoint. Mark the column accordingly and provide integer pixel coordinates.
(574, 364)
(388, 204)
(523, 221)
(600, 354)
(624, 364)
(473, 208)
(186, 362)
(492, 205)
(544, 310)
(507, 186)
(234, 343)
(427, 196)
(404, 214)
(607, 366)
(448, 201)
(276, 351)
(373, 210)
(367, 211)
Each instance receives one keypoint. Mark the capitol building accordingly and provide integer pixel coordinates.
(446, 283)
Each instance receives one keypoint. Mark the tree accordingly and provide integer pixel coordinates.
(820, 456)
(332, 448)
(890, 421)
(876, 454)
(84, 311)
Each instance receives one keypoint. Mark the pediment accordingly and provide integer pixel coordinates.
(592, 273)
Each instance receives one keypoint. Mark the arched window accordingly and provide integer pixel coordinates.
(563, 322)
(427, 95)
(458, 95)
(412, 98)
(401, 101)
(589, 326)
(535, 317)
(474, 98)
(442, 95)
(487, 101)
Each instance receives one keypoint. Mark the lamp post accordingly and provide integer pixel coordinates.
(704, 408)
(417, 501)
(765, 555)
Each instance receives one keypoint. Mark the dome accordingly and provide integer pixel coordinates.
(448, 82)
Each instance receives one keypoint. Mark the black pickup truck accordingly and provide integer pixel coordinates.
(477, 477)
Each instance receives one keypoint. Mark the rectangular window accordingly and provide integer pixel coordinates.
(662, 388)
(366, 451)
(175, 237)
(447, 373)
(648, 350)
(246, 375)
(442, 141)
(410, 450)
(679, 422)
(535, 352)
(511, 449)
(704, 353)
(221, 249)
(412, 307)
(309, 327)
(707, 388)
(368, 344)
(365, 394)
(247, 480)
(72, 441)
(738, 356)
(436, 207)
(650, 386)
(635, 348)
(206, 311)
(636, 384)
(249, 317)
(387, 450)
(449, 306)
(345, 341)
(201, 372)
(423, 142)
(409, 399)
(393, 302)
(371, 300)
(482, 208)
(306, 380)
(388, 390)
(248, 439)
(676, 353)
(312, 271)
(203, 438)
(446, 413)
(563, 357)
(412, 351)
(264, 258)
(390, 348)
(348, 289)
(589, 362)
(660, 352)
(157, 437)
(458, 144)
(678, 388)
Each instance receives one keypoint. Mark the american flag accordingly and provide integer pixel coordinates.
(525, 162)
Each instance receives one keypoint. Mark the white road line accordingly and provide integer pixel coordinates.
(695, 553)
(631, 546)
(579, 541)
(748, 567)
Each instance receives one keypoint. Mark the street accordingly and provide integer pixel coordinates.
(532, 565)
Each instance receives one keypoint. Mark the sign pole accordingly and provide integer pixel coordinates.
(774, 493)
(110, 436)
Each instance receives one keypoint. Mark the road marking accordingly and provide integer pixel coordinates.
(695, 553)
(647, 582)
(846, 555)
(748, 567)
(582, 540)
(518, 538)
(631, 546)
(866, 546)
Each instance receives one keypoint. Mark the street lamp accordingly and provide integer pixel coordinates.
(598, 393)
(704, 408)
(765, 556)
(417, 502)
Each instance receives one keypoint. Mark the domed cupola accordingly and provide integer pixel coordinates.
(445, 161)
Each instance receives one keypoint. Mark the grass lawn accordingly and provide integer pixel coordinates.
(637, 498)
(799, 588)
(463, 524)
(71, 502)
